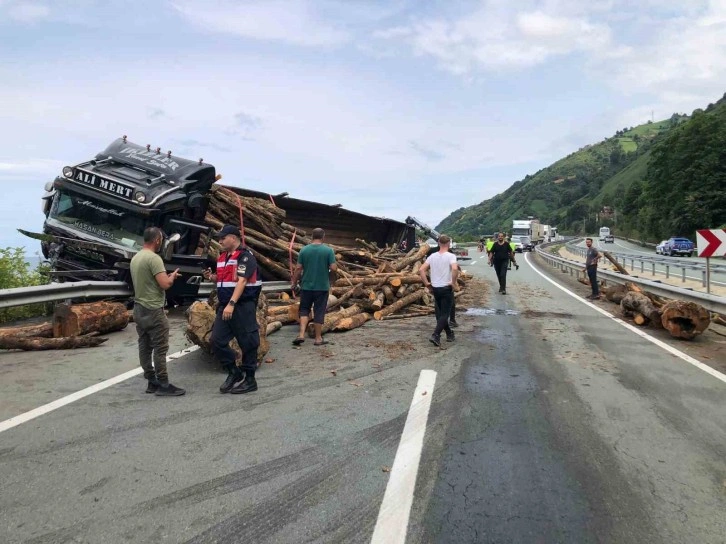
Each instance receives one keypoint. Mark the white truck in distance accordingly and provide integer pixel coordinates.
(530, 228)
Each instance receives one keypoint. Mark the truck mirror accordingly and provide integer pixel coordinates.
(167, 248)
(49, 187)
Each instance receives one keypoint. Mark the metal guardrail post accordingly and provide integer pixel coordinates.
(653, 268)
(703, 280)
(668, 271)
(683, 274)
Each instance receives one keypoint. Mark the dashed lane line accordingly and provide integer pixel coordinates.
(392, 524)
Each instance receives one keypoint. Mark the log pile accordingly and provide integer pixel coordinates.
(77, 326)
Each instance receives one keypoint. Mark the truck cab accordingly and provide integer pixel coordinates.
(606, 236)
(97, 210)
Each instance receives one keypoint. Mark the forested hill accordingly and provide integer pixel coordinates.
(650, 182)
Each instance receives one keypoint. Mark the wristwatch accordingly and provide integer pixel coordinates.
(231, 303)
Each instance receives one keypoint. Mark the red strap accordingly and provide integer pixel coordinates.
(289, 253)
(273, 201)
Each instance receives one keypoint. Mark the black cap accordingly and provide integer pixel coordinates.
(228, 229)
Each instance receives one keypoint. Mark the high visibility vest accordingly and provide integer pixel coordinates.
(229, 268)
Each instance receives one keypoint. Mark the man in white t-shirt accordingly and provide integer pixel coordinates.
(444, 273)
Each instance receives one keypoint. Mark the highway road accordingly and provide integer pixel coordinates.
(547, 420)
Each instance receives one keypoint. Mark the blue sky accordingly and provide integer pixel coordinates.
(390, 108)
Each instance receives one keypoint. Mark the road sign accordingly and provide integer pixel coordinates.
(711, 242)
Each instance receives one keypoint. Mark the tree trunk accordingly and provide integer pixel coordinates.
(617, 265)
(684, 319)
(406, 261)
(200, 319)
(42, 330)
(401, 303)
(349, 323)
(614, 293)
(348, 294)
(273, 326)
(81, 319)
(388, 294)
(332, 318)
(39, 344)
(638, 303)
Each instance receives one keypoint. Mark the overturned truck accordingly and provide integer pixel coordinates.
(97, 210)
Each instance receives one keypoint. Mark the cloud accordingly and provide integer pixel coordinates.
(157, 113)
(425, 152)
(247, 121)
(27, 12)
(293, 22)
(496, 37)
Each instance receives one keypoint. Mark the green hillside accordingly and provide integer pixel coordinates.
(630, 181)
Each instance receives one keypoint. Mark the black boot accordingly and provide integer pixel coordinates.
(248, 385)
(153, 386)
(169, 390)
(233, 377)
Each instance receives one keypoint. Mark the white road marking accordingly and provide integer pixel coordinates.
(73, 397)
(473, 263)
(392, 523)
(670, 349)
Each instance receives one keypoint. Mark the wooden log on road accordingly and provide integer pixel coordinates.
(273, 326)
(637, 303)
(406, 261)
(350, 323)
(42, 330)
(82, 319)
(398, 305)
(332, 318)
(684, 320)
(39, 344)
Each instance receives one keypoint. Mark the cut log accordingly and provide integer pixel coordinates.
(388, 294)
(637, 303)
(354, 291)
(684, 320)
(616, 264)
(38, 344)
(82, 319)
(273, 326)
(350, 323)
(42, 330)
(380, 299)
(332, 318)
(640, 319)
(401, 303)
(200, 319)
(406, 261)
(278, 310)
(614, 293)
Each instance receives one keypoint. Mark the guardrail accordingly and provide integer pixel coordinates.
(652, 262)
(53, 292)
(712, 303)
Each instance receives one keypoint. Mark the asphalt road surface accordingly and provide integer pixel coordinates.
(548, 422)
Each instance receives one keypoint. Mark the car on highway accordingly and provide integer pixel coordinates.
(679, 246)
(659, 247)
(521, 243)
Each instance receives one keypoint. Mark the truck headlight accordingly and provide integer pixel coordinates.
(140, 197)
(67, 172)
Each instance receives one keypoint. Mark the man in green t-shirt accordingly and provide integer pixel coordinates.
(315, 263)
(150, 280)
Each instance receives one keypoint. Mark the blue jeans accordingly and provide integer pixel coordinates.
(592, 276)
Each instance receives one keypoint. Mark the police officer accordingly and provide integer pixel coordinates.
(238, 289)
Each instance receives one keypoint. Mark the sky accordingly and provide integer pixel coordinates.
(391, 108)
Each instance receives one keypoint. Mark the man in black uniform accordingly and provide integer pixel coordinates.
(238, 289)
(500, 255)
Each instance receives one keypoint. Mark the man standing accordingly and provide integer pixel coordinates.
(591, 268)
(444, 273)
(150, 281)
(315, 263)
(500, 255)
(238, 290)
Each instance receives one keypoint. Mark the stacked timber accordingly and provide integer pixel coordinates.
(77, 326)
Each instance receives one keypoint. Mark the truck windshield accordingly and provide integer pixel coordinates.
(520, 231)
(100, 219)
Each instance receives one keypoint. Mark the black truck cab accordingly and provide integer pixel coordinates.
(96, 213)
